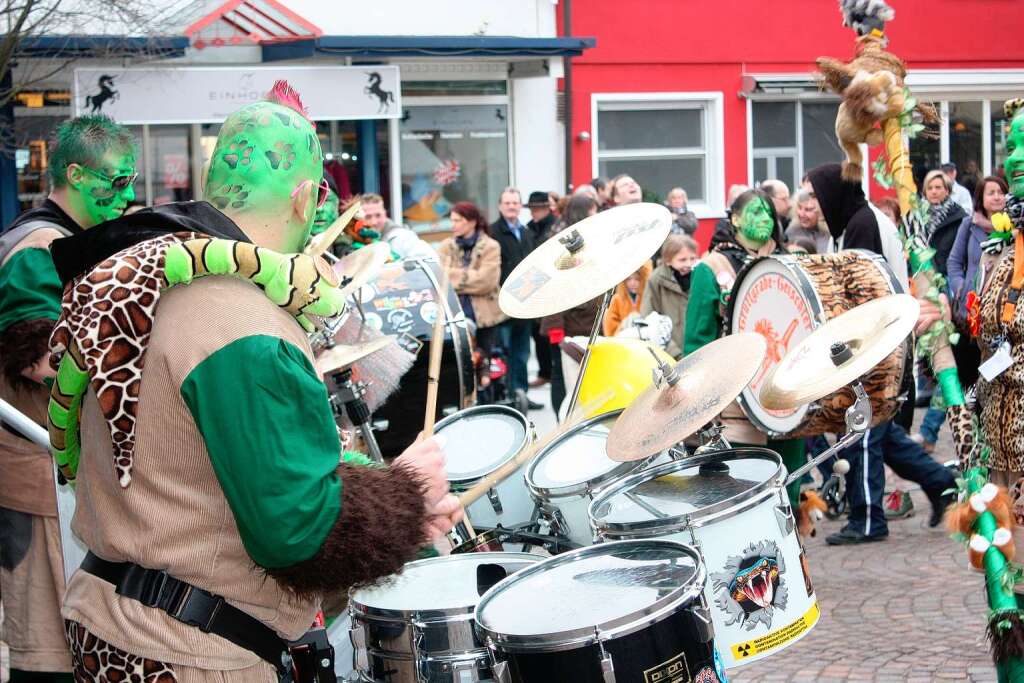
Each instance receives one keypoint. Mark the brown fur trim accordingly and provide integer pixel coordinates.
(21, 346)
(380, 528)
(1006, 636)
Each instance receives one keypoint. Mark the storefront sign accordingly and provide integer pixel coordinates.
(209, 94)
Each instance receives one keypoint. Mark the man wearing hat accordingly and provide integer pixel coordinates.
(542, 225)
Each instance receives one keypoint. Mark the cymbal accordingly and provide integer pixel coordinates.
(362, 265)
(343, 355)
(872, 331)
(322, 242)
(709, 379)
(615, 243)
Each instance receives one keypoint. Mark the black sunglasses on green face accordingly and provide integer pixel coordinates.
(118, 182)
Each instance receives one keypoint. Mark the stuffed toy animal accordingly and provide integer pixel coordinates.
(812, 510)
(961, 518)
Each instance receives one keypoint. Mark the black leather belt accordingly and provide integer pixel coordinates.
(193, 606)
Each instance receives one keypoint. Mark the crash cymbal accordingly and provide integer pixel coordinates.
(871, 331)
(322, 242)
(343, 355)
(706, 381)
(585, 260)
(362, 265)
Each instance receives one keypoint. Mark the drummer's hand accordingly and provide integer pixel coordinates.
(930, 313)
(442, 517)
(426, 459)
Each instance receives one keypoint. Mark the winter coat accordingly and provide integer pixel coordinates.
(662, 294)
(577, 321)
(944, 236)
(964, 258)
(513, 250)
(623, 305)
(479, 280)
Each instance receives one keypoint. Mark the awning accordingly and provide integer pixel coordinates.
(429, 46)
(101, 46)
(931, 81)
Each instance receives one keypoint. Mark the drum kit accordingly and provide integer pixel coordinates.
(636, 544)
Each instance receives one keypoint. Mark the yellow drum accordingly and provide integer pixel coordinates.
(619, 370)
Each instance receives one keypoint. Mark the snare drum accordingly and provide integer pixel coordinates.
(732, 505)
(785, 298)
(418, 627)
(629, 611)
(565, 476)
(480, 440)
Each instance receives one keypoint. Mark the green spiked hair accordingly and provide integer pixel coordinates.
(263, 153)
(85, 140)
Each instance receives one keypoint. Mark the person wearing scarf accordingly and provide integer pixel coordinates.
(472, 260)
(944, 217)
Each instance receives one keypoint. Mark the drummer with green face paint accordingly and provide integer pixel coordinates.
(753, 220)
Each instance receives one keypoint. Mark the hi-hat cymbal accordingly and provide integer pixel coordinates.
(709, 379)
(613, 245)
(871, 331)
(362, 265)
(343, 355)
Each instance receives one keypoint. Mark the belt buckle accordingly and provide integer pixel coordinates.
(197, 608)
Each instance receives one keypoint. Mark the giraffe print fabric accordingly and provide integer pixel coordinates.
(97, 661)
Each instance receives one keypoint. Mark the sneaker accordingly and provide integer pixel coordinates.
(533, 405)
(538, 382)
(848, 536)
(918, 438)
(898, 505)
(939, 505)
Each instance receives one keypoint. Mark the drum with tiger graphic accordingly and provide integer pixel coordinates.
(786, 297)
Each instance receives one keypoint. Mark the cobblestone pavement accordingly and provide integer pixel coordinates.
(906, 609)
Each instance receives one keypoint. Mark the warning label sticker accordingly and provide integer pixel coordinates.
(777, 638)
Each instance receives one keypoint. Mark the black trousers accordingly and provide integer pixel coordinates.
(543, 346)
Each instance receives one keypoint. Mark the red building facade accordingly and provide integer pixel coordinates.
(705, 95)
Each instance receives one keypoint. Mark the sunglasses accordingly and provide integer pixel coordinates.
(322, 192)
(118, 182)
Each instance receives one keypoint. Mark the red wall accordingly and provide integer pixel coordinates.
(694, 45)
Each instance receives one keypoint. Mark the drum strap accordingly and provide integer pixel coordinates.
(1010, 307)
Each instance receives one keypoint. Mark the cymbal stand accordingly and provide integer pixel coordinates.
(858, 418)
(711, 439)
(349, 393)
(605, 301)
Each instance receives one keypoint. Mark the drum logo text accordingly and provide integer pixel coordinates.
(674, 670)
(751, 586)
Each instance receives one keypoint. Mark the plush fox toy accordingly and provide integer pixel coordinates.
(812, 510)
(961, 518)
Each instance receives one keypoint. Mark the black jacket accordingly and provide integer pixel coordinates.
(944, 237)
(513, 251)
(846, 209)
(50, 212)
(542, 229)
(80, 253)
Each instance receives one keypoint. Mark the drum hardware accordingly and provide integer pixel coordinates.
(858, 420)
(691, 395)
(712, 439)
(349, 393)
(492, 496)
(594, 331)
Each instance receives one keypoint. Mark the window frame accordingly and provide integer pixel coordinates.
(713, 151)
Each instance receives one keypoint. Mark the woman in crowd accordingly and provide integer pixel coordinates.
(626, 301)
(944, 217)
(577, 321)
(684, 221)
(668, 290)
(809, 224)
(472, 260)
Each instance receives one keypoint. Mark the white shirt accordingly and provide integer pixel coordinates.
(892, 247)
(961, 196)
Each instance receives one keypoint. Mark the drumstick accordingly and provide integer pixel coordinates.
(434, 365)
(581, 412)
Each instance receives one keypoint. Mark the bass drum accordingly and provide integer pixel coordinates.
(784, 299)
(402, 301)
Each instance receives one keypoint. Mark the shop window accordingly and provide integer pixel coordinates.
(999, 133)
(790, 138)
(447, 88)
(818, 123)
(666, 142)
(925, 153)
(169, 164)
(965, 141)
(451, 154)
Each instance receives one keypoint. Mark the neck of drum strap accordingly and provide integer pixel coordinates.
(1010, 307)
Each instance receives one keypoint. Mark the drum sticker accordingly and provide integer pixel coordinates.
(675, 670)
(807, 573)
(777, 638)
(400, 320)
(527, 284)
(750, 587)
(707, 675)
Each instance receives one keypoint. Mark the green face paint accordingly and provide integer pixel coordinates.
(1014, 165)
(96, 194)
(326, 214)
(265, 153)
(756, 222)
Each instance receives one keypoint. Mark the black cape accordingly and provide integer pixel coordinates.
(846, 209)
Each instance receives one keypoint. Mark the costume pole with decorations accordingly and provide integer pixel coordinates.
(877, 108)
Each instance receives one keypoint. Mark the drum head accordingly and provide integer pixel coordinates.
(682, 490)
(776, 300)
(440, 584)
(614, 587)
(481, 439)
(576, 458)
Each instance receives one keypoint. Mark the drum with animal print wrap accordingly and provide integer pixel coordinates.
(785, 298)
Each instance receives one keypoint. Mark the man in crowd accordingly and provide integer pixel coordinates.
(808, 223)
(402, 240)
(779, 192)
(856, 224)
(92, 170)
(960, 194)
(516, 241)
(212, 492)
(541, 225)
(625, 190)
(604, 192)
(724, 232)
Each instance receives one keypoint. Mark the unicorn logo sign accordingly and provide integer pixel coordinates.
(385, 98)
(106, 92)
